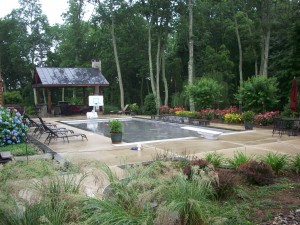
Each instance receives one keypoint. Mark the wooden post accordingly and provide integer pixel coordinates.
(84, 96)
(49, 100)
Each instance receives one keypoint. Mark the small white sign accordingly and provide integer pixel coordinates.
(96, 100)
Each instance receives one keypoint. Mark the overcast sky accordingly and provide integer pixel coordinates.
(52, 8)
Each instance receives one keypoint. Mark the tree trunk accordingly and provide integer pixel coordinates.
(117, 63)
(164, 76)
(191, 53)
(240, 50)
(150, 61)
(266, 52)
(158, 63)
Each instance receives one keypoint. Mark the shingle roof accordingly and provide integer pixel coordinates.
(68, 77)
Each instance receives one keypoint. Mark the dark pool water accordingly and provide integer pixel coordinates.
(139, 130)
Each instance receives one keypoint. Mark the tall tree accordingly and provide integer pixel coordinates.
(191, 52)
(107, 12)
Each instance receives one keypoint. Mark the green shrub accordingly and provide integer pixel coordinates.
(13, 97)
(238, 159)
(258, 93)
(248, 117)
(215, 158)
(205, 92)
(110, 108)
(296, 163)
(149, 107)
(258, 173)
(276, 160)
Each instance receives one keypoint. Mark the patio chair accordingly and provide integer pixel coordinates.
(47, 129)
(279, 126)
(61, 134)
(124, 110)
(38, 127)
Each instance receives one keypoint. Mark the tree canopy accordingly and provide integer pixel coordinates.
(144, 46)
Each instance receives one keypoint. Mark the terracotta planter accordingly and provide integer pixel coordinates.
(116, 138)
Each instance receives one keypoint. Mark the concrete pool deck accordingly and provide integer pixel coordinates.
(99, 148)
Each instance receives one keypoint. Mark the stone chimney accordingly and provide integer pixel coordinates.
(96, 64)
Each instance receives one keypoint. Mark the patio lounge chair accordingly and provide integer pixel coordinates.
(124, 110)
(46, 129)
(61, 134)
(38, 127)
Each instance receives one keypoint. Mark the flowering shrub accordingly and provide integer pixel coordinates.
(232, 118)
(266, 119)
(220, 113)
(164, 109)
(12, 129)
(186, 113)
(207, 114)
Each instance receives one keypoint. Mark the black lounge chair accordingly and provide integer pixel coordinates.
(46, 129)
(38, 127)
(61, 134)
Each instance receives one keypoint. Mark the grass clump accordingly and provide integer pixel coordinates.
(215, 158)
(238, 159)
(296, 163)
(276, 160)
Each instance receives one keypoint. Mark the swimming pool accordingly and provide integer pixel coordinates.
(140, 130)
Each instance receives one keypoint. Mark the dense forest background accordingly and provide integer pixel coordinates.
(145, 46)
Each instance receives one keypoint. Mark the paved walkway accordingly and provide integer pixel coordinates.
(256, 142)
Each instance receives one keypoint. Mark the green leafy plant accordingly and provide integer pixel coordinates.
(258, 93)
(258, 173)
(296, 163)
(215, 158)
(238, 159)
(115, 126)
(248, 117)
(149, 107)
(134, 107)
(205, 92)
(12, 97)
(276, 160)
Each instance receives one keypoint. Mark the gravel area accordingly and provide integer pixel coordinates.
(292, 218)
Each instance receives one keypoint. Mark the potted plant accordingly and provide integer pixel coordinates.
(248, 118)
(116, 127)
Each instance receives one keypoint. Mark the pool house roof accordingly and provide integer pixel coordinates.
(68, 77)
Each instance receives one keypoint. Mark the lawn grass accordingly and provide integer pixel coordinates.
(20, 149)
